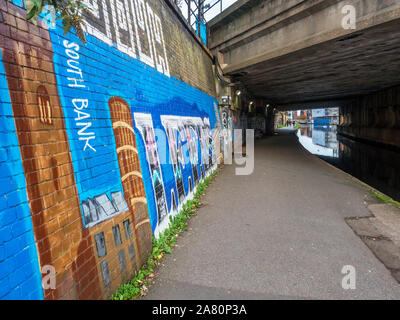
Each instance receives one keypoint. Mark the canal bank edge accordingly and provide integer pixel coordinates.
(380, 231)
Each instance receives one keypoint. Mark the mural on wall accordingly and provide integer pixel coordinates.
(176, 153)
(190, 152)
(134, 28)
(128, 155)
(226, 136)
(144, 124)
(226, 118)
(14, 209)
(191, 138)
(45, 152)
(81, 119)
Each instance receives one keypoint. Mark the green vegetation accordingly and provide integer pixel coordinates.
(384, 198)
(137, 287)
(70, 12)
(297, 126)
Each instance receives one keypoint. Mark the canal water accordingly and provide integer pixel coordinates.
(379, 167)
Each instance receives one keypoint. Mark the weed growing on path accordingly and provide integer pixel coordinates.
(384, 198)
(138, 286)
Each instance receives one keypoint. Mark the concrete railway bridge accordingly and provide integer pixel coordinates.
(299, 54)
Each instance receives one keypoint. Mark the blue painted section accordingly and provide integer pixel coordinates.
(20, 276)
(203, 30)
(203, 33)
(107, 73)
(96, 166)
(19, 3)
(322, 121)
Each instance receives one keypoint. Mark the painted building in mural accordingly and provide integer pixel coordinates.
(85, 183)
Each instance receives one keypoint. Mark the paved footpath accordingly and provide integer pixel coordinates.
(279, 233)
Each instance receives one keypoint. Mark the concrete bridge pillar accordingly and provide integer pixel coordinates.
(270, 121)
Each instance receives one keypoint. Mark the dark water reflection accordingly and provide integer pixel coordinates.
(376, 166)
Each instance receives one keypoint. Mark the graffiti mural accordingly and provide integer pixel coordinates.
(176, 154)
(144, 124)
(226, 119)
(191, 138)
(82, 182)
(137, 30)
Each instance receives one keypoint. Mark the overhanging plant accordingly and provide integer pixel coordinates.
(69, 11)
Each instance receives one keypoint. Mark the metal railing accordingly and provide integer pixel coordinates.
(195, 12)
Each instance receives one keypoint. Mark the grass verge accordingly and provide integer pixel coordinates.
(384, 198)
(138, 286)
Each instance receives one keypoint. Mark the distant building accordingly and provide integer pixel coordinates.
(327, 116)
(300, 116)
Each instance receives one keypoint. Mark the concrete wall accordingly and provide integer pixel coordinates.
(82, 183)
(243, 16)
(374, 117)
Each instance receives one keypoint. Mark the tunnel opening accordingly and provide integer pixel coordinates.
(375, 164)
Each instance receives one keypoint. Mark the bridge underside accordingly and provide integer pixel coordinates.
(296, 53)
(329, 73)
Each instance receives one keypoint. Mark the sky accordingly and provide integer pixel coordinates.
(212, 12)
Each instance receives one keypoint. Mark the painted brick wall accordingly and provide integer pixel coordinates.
(84, 183)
